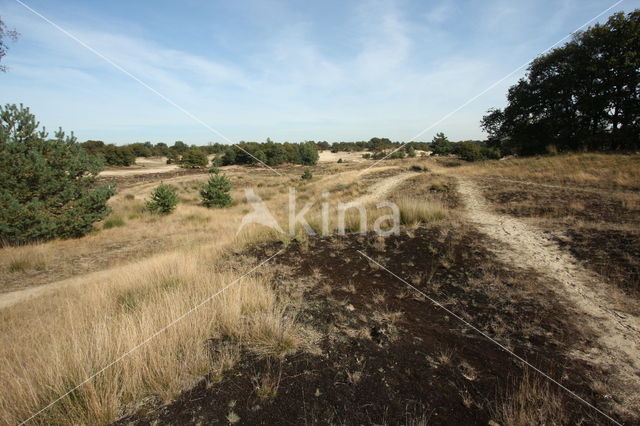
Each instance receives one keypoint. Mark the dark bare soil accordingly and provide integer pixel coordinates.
(387, 355)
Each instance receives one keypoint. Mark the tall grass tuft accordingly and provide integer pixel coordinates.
(414, 211)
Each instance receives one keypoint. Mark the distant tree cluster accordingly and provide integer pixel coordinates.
(582, 96)
(270, 153)
(374, 145)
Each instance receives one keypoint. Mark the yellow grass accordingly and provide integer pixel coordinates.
(599, 170)
(414, 211)
(48, 346)
(25, 258)
(532, 401)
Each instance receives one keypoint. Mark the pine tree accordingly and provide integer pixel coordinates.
(163, 199)
(215, 193)
(48, 187)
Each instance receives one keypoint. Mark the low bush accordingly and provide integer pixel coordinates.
(215, 193)
(164, 199)
(113, 222)
(307, 175)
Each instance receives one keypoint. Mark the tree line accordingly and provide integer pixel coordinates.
(249, 153)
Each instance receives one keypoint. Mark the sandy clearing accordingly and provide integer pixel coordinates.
(618, 334)
(333, 157)
(142, 166)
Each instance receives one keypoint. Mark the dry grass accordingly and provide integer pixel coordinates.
(532, 401)
(598, 170)
(414, 212)
(25, 258)
(79, 331)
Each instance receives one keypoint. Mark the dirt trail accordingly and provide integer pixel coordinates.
(618, 333)
(381, 188)
(13, 297)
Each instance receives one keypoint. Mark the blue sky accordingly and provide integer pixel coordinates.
(289, 70)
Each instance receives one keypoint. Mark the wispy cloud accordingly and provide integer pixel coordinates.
(322, 71)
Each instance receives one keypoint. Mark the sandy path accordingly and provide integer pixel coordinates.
(618, 333)
(13, 297)
(382, 187)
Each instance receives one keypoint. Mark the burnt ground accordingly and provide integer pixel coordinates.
(386, 355)
(599, 227)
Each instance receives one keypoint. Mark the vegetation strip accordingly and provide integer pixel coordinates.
(483, 334)
(147, 340)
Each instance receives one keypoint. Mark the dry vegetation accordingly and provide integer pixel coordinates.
(590, 170)
(168, 266)
(158, 268)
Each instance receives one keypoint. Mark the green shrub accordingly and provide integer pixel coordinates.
(163, 199)
(113, 222)
(307, 175)
(469, 151)
(366, 155)
(48, 187)
(19, 265)
(214, 170)
(340, 160)
(215, 193)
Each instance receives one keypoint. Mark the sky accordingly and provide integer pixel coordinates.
(225, 71)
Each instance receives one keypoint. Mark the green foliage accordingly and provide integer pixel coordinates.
(440, 145)
(340, 161)
(214, 170)
(581, 96)
(118, 155)
(164, 199)
(307, 175)
(48, 186)
(469, 151)
(11, 34)
(411, 152)
(194, 159)
(215, 193)
(308, 154)
(113, 222)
